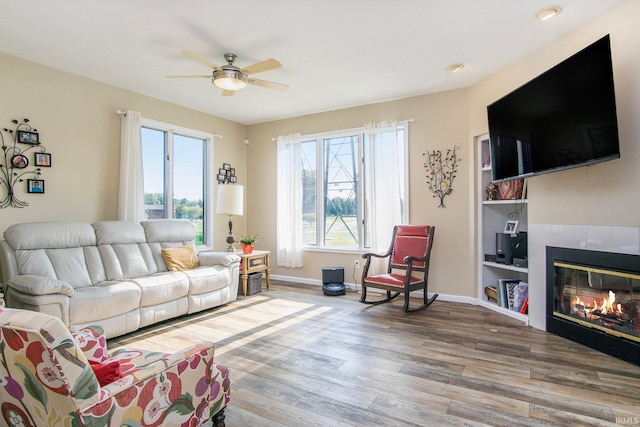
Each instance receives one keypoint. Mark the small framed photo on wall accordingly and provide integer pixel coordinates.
(19, 161)
(27, 137)
(35, 186)
(43, 159)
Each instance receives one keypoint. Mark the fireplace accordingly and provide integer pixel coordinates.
(593, 298)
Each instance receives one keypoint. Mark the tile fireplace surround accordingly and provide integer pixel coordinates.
(604, 238)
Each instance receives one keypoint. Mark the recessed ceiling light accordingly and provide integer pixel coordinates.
(455, 68)
(549, 13)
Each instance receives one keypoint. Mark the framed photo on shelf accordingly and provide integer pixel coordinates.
(43, 159)
(19, 161)
(35, 186)
(226, 166)
(511, 226)
(221, 178)
(28, 137)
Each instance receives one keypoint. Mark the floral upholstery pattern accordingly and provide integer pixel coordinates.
(46, 379)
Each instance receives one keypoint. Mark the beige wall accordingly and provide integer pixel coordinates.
(604, 194)
(78, 124)
(440, 122)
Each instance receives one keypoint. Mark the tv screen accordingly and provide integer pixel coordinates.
(562, 119)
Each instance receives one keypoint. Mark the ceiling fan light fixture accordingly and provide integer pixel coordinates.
(548, 13)
(229, 79)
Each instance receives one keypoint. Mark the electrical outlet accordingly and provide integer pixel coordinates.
(356, 265)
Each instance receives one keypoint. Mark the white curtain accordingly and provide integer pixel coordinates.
(384, 169)
(289, 202)
(131, 196)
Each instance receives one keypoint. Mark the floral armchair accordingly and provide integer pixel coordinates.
(51, 377)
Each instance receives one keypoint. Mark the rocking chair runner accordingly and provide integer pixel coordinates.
(409, 253)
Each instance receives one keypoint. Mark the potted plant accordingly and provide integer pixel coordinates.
(247, 241)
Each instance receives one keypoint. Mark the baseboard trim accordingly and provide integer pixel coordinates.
(352, 288)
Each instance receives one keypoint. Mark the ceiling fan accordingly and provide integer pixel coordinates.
(230, 78)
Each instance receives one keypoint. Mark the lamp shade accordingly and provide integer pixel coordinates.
(230, 199)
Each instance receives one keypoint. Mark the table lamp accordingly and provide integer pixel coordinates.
(230, 201)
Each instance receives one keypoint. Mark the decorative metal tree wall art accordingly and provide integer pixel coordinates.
(14, 163)
(441, 170)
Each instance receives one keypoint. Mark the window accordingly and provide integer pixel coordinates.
(177, 175)
(355, 183)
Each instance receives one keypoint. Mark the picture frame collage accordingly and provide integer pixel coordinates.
(227, 174)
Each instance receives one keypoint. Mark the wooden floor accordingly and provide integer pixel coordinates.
(299, 358)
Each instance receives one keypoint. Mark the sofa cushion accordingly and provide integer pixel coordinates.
(180, 258)
(44, 235)
(162, 287)
(203, 280)
(55, 250)
(66, 264)
(123, 249)
(168, 230)
(126, 261)
(118, 232)
(103, 301)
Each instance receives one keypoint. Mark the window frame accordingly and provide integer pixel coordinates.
(208, 184)
(360, 133)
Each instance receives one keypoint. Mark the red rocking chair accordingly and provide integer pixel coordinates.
(408, 254)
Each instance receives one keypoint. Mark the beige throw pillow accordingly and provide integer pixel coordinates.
(180, 258)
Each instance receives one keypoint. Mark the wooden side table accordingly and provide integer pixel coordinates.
(256, 261)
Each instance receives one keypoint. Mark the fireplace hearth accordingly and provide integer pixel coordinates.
(593, 298)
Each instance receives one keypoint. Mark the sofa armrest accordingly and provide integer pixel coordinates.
(217, 258)
(176, 389)
(38, 285)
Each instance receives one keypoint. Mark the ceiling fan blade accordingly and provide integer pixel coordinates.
(227, 92)
(259, 67)
(271, 85)
(189, 77)
(200, 58)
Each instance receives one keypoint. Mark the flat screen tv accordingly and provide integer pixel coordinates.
(564, 118)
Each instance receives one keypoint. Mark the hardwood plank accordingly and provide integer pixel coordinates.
(299, 358)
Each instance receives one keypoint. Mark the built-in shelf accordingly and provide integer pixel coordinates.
(492, 216)
(506, 267)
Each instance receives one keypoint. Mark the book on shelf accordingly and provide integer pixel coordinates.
(525, 306)
(508, 288)
(521, 296)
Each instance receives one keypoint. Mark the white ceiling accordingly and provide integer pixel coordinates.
(335, 53)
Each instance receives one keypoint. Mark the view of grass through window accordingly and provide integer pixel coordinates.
(184, 156)
(339, 191)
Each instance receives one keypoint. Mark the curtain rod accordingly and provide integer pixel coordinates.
(407, 120)
(124, 114)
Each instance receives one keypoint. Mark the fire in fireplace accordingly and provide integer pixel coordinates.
(594, 298)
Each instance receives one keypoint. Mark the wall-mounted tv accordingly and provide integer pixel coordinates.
(564, 118)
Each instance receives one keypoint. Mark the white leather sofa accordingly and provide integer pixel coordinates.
(111, 273)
